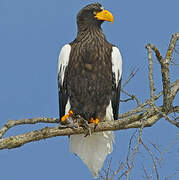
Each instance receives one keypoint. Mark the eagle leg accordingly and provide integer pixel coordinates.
(86, 125)
(67, 121)
(94, 121)
(65, 117)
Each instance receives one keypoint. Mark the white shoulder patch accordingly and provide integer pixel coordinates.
(116, 64)
(63, 61)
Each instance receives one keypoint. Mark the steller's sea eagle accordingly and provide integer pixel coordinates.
(89, 81)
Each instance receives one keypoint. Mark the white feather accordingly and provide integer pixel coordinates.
(116, 64)
(109, 113)
(67, 107)
(63, 61)
(93, 149)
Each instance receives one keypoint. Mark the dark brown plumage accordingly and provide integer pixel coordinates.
(88, 77)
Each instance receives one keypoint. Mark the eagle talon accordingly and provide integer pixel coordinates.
(67, 121)
(88, 132)
(65, 117)
(84, 124)
(94, 121)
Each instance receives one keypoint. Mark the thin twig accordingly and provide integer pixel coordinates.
(155, 146)
(169, 146)
(133, 97)
(108, 170)
(145, 172)
(130, 147)
(131, 75)
(131, 159)
(153, 159)
(126, 100)
(167, 118)
(139, 108)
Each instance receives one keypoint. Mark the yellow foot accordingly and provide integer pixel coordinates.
(94, 121)
(70, 113)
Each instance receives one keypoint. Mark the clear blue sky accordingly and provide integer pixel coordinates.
(31, 35)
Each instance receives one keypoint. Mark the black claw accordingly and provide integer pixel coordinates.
(57, 120)
(85, 125)
(95, 126)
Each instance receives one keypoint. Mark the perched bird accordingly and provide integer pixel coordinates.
(89, 79)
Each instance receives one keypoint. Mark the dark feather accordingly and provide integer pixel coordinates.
(116, 98)
(63, 97)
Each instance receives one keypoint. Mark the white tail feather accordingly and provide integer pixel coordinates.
(92, 149)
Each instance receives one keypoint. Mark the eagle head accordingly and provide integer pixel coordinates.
(93, 14)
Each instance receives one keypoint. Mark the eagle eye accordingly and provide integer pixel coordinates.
(94, 12)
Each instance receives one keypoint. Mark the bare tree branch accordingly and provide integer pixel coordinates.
(130, 122)
(145, 115)
(171, 48)
(12, 123)
(152, 89)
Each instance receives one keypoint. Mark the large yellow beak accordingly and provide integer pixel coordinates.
(104, 15)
